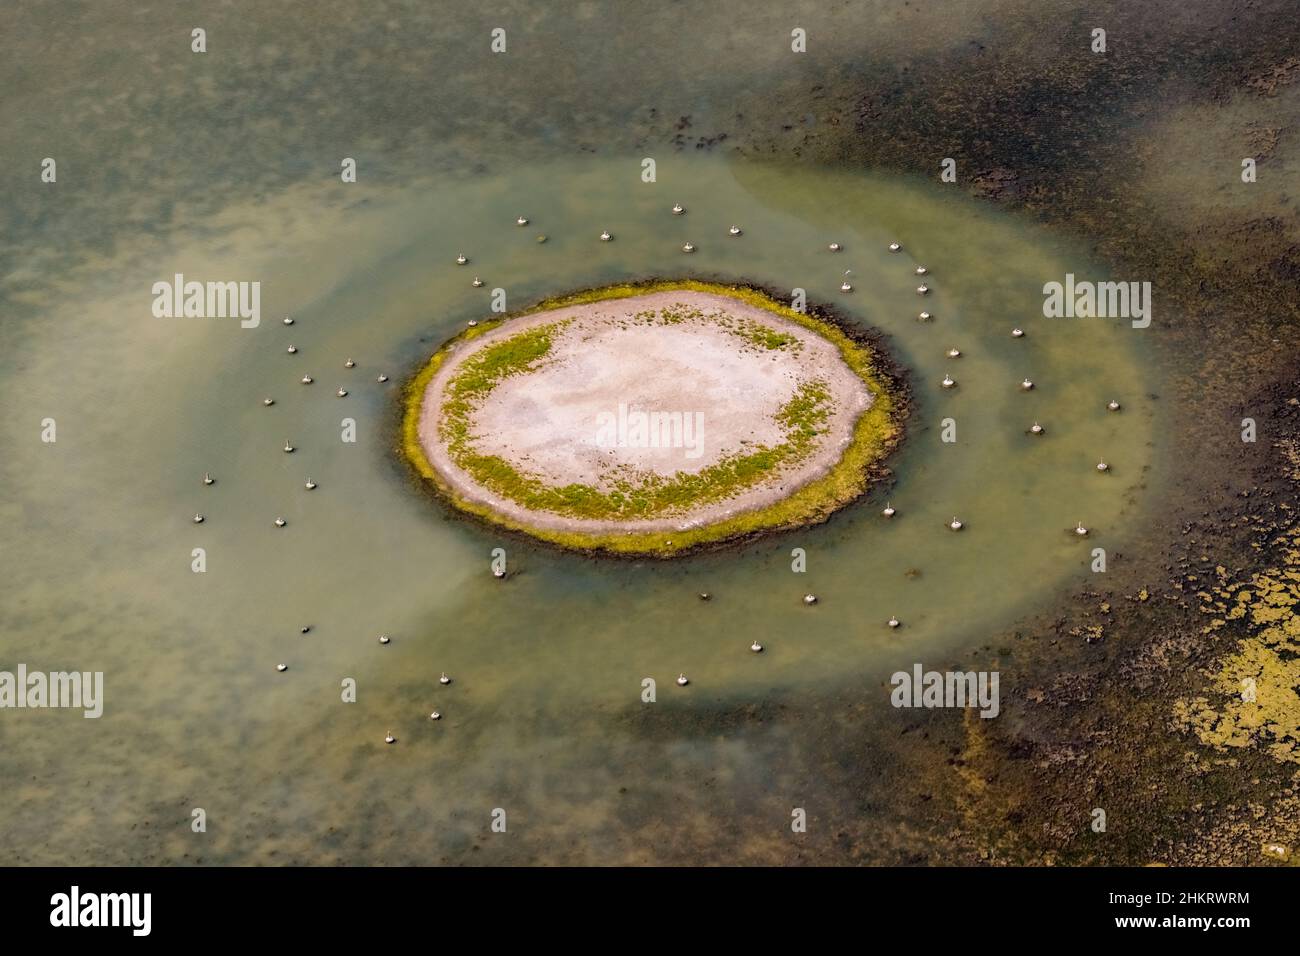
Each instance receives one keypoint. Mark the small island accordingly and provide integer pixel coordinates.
(653, 418)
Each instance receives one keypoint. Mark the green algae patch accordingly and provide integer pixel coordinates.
(630, 495)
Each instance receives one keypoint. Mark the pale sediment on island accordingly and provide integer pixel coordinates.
(717, 369)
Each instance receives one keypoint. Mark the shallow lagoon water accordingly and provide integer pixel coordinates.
(541, 718)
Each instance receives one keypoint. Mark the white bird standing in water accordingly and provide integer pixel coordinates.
(444, 679)
(1112, 405)
(682, 680)
(207, 478)
(889, 511)
(955, 524)
(310, 485)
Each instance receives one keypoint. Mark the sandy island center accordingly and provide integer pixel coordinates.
(653, 418)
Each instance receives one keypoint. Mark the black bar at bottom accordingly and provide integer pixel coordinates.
(332, 905)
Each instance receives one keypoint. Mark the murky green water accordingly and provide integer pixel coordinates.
(545, 717)
(547, 663)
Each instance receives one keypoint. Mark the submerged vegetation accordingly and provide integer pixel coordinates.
(635, 496)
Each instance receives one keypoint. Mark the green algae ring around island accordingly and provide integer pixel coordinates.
(653, 418)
